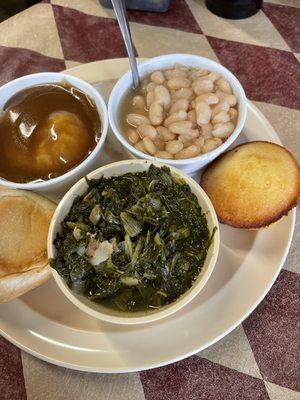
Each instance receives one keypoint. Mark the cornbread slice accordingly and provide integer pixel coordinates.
(253, 184)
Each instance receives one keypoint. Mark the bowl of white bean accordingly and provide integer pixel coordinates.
(186, 112)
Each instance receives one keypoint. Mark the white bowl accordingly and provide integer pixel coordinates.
(96, 309)
(162, 62)
(64, 181)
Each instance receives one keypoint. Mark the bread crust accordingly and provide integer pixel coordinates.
(210, 184)
(12, 286)
(24, 221)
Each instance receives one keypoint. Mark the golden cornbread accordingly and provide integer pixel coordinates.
(252, 185)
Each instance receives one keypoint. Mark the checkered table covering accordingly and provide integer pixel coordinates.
(261, 358)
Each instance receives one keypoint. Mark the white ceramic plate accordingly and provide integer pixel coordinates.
(44, 323)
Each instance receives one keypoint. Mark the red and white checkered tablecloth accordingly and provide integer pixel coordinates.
(260, 359)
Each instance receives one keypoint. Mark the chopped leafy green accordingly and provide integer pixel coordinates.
(95, 214)
(155, 230)
(131, 225)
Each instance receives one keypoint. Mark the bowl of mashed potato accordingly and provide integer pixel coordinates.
(52, 130)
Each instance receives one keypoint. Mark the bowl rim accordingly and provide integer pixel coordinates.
(184, 299)
(207, 156)
(104, 123)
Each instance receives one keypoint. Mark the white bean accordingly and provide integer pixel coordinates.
(157, 77)
(223, 85)
(230, 98)
(211, 144)
(203, 113)
(180, 115)
(138, 102)
(233, 115)
(206, 131)
(149, 98)
(162, 96)
(184, 93)
(175, 73)
(174, 146)
(137, 119)
(144, 84)
(181, 127)
(213, 76)
(178, 83)
(150, 87)
(221, 106)
(191, 115)
(222, 116)
(185, 139)
(190, 111)
(188, 152)
(149, 146)
(188, 143)
(160, 144)
(209, 98)
(156, 113)
(164, 133)
(140, 146)
(164, 154)
(202, 85)
(133, 136)
(198, 73)
(181, 104)
(223, 130)
(147, 131)
(192, 135)
(199, 141)
(181, 67)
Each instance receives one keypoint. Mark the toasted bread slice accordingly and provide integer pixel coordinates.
(253, 185)
(24, 221)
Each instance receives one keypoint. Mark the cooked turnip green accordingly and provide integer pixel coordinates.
(133, 242)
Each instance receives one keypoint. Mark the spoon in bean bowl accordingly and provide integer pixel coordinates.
(121, 14)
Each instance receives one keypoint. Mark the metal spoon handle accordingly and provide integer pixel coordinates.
(120, 10)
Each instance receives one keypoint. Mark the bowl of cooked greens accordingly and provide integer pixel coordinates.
(133, 242)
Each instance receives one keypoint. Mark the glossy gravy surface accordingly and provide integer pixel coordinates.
(45, 131)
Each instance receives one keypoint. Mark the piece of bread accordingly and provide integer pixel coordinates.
(253, 184)
(24, 221)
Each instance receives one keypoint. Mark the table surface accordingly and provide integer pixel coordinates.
(261, 358)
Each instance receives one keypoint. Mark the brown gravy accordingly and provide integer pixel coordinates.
(45, 131)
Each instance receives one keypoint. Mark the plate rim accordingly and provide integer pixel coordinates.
(77, 70)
